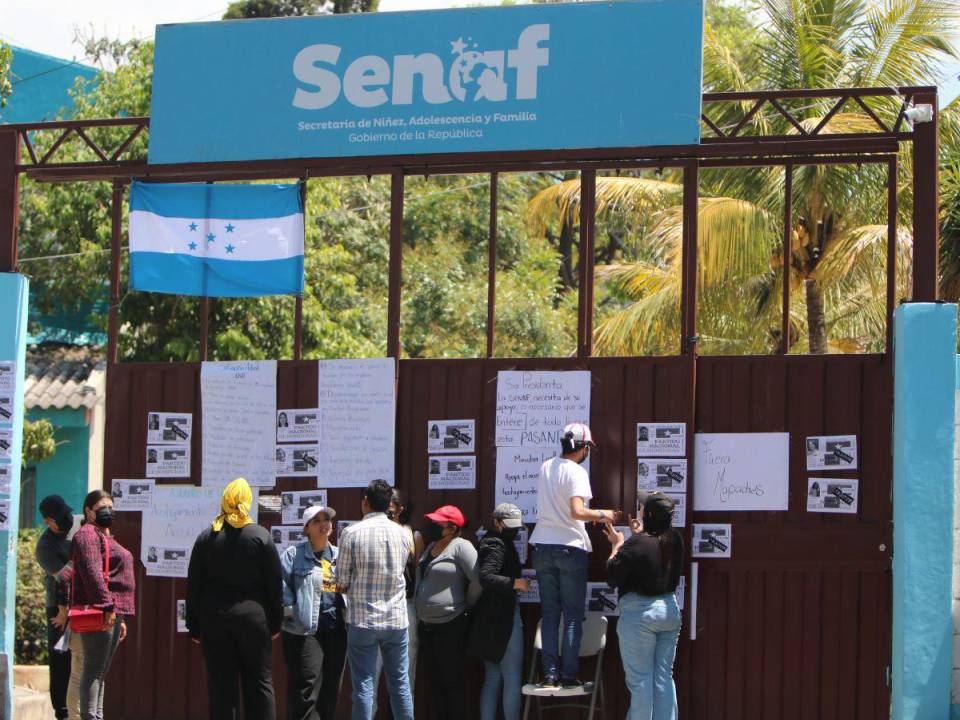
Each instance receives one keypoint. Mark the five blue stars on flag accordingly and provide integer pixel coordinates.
(211, 237)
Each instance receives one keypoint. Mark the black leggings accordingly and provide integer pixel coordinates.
(444, 648)
(314, 668)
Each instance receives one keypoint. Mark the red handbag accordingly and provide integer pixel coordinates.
(83, 618)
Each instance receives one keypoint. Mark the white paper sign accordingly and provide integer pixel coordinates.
(832, 452)
(239, 412)
(132, 494)
(343, 525)
(661, 474)
(520, 544)
(533, 594)
(741, 471)
(6, 517)
(533, 407)
(8, 376)
(679, 509)
(182, 616)
(168, 461)
(452, 472)
(298, 425)
(451, 436)
(661, 439)
(833, 495)
(517, 474)
(680, 591)
(6, 472)
(169, 428)
(296, 460)
(602, 598)
(712, 541)
(6, 443)
(294, 504)
(169, 529)
(6, 408)
(357, 401)
(286, 535)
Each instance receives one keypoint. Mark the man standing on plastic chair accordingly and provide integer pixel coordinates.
(561, 549)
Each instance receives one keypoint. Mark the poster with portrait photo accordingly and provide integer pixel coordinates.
(661, 474)
(520, 543)
(182, 616)
(298, 425)
(833, 495)
(8, 376)
(169, 428)
(6, 473)
(165, 561)
(602, 598)
(832, 452)
(294, 504)
(132, 494)
(343, 525)
(6, 408)
(451, 436)
(661, 439)
(6, 443)
(284, 536)
(712, 540)
(296, 460)
(452, 472)
(5, 515)
(168, 461)
(533, 594)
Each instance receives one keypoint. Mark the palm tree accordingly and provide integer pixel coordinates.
(838, 237)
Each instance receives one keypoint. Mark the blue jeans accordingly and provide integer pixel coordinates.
(562, 577)
(363, 646)
(648, 629)
(508, 670)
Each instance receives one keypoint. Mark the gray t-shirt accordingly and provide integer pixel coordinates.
(448, 583)
(53, 552)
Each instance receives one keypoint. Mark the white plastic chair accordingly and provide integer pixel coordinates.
(593, 643)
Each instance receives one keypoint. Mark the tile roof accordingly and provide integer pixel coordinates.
(63, 376)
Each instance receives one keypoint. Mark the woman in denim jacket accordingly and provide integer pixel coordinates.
(314, 636)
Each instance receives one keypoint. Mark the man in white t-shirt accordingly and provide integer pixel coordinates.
(562, 547)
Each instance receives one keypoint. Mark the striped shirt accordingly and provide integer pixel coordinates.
(373, 554)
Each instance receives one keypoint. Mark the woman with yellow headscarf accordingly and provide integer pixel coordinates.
(235, 607)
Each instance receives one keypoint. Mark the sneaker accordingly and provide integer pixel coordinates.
(549, 682)
(575, 687)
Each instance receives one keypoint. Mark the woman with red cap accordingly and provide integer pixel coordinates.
(447, 584)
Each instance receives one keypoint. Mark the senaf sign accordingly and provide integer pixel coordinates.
(545, 77)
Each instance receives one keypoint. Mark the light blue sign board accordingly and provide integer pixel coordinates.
(543, 77)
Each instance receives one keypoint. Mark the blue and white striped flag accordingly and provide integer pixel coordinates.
(216, 240)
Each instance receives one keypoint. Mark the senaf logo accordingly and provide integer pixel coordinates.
(474, 74)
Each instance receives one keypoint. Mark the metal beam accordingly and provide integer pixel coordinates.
(9, 199)
(926, 206)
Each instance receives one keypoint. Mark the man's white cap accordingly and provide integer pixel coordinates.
(311, 512)
(579, 433)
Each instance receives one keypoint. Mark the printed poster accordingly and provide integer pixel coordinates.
(296, 461)
(182, 616)
(168, 461)
(832, 452)
(661, 439)
(451, 436)
(662, 474)
(294, 504)
(680, 591)
(452, 472)
(679, 509)
(298, 425)
(712, 540)
(6, 443)
(132, 494)
(343, 525)
(833, 495)
(6, 519)
(6, 408)
(169, 428)
(6, 472)
(285, 536)
(8, 376)
(533, 594)
(602, 598)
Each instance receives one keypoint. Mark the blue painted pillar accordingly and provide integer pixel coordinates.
(925, 347)
(13, 345)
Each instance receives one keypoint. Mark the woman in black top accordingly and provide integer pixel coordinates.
(646, 570)
(235, 606)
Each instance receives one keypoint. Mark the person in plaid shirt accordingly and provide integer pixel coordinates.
(373, 554)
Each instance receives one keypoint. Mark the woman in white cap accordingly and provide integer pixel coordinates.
(496, 634)
(314, 635)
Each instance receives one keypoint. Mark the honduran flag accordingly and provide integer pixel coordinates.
(216, 240)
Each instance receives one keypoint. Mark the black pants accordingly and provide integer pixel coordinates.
(59, 668)
(443, 648)
(314, 668)
(236, 647)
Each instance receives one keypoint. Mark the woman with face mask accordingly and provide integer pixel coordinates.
(103, 579)
(447, 584)
(496, 633)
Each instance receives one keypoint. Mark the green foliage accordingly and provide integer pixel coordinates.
(6, 57)
(293, 8)
(38, 442)
(30, 640)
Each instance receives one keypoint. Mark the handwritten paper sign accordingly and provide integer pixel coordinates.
(169, 529)
(239, 411)
(533, 407)
(518, 470)
(357, 401)
(741, 471)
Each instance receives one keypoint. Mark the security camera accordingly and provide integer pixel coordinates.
(922, 113)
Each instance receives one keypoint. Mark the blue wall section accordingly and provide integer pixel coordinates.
(13, 345)
(925, 346)
(65, 474)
